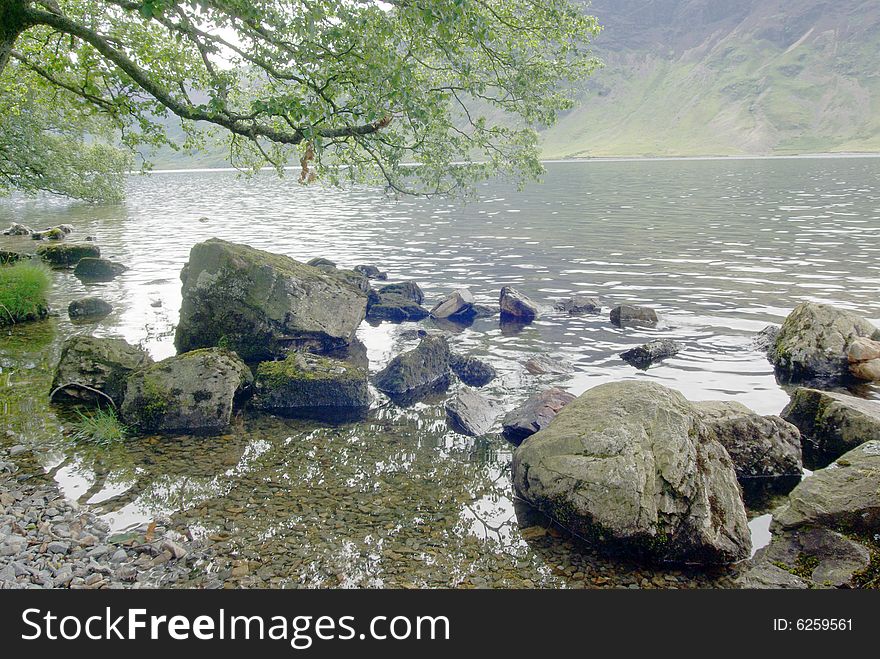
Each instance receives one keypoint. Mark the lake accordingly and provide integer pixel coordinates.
(720, 248)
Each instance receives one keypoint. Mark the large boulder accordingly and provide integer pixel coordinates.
(95, 370)
(654, 351)
(262, 305)
(97, 269)
(760, 446)
(832, 423)
(627, 314)
(844, 496)
(312, 386)
(534, 415)
(470, 413)
(418, 372)
(471, 371)
(458, 305)
(88, 308)
(814, 340)
(67, 255)
(193, 392)
(631, 465)
(516, 306)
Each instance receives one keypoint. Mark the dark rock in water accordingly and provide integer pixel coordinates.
(626, 467)
(761, 447)
(91, 366)
(7, 257)
(412, 335)
(483, 311)
(312, 386)
(370, 271)
(54, 233)
(471, 371)
(67, 255)
(653, 351)
(626, 315)
(516, 306)
(543, 365)
(88, 307)
(579, 306)
(418, 372)
(534, 415)
(408, 289)
(263, 305)
(321, 263)
(832, 423)
(458, 304)
(193, 392)
(844, 496)
(766, 338)
(97, 269)
(469, 413)
(823, 557)
(17, 229)
(813, 343)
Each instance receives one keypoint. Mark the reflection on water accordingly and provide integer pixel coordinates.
(720, 248)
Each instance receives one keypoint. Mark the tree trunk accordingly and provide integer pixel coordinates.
(12, 23)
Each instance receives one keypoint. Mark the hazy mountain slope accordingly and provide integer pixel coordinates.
(702, 77)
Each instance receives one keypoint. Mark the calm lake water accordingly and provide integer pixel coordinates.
(719, 248)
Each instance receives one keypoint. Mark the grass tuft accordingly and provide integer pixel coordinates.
(23, 289)
(100, 428)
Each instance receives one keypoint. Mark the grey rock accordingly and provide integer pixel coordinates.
(321, 263)
(471, 371)
(766, 338)
(516, 306)
(831, 559)
(192, 392)
(543, 365)
(395, 308)
(91, 269)
(408, 289)
(262, 305)
(58, 547)
(370, 272)
(67, 255)
(470, 413)
(650, 353)
(629, 465)
(627, 314)
(763, 575)
(418, 372)
(534, 415)
(88, 364)
(88, 307)
(456, 305)
(579, 305)
(16, 229)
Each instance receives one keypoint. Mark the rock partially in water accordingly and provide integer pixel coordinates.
(397, 303)
(844, 496)
(262, 305)
(457, 305)
(470, 413)
(650, 353)
(629, 465)
(761, 447)
(67, 255)
(97, 269)
(53, 233)
(193, 392)
(418, 372)
(312, 386)
(471, 371)
(543, 365)
(408, 289)
(764, 339)
(93, 369)
(863, 356)
(627, 314)
(16, 229)
(579, 305)
(321, 263)
(534, 415)
(370, 272)
(516, 306)
(832, 423)
(88, 308)
(813, 342)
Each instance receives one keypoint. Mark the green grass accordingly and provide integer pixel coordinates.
(100, 428)
(23, 288)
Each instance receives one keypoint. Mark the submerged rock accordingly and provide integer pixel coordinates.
(471, 371)
(543, 365)
(814, 340)
(516, 306)
(458, 305)
(97, 269)
(579, 305)
(312, 386)
(192, 392)
(470, 413)
(832, 423)
(626, 315)
(88, 308)
(759, 446)
(370, 272)
(397, 303)
(629, 464)
(93, 369)
(67, 255)
(534, 415)
(262, 305)
(418, 372)
(654, 351)
(844, 496)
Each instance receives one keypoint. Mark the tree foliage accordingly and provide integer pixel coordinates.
(425, 95)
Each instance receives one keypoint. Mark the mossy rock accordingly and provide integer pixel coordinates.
(67, 255)
(8, 258)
